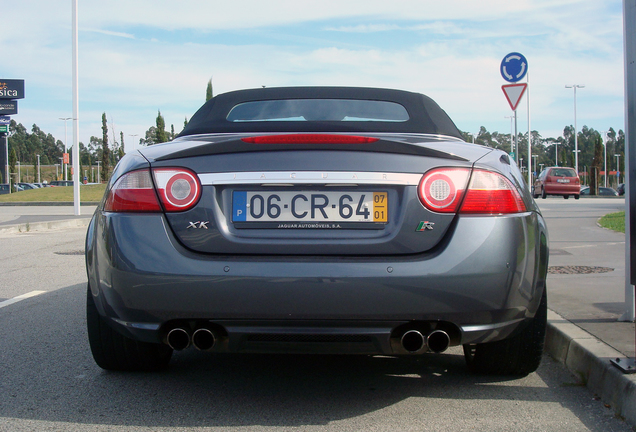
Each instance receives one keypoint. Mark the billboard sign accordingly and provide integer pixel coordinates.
(11, 89)
(8, 107)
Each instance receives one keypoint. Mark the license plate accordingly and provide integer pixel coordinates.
(563, 180)
(309, 209)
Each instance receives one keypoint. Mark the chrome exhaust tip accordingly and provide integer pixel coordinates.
(203, 339)
(413, 341)
(178, 339)
(438, 341)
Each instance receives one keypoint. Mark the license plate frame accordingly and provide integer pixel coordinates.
(310, 209)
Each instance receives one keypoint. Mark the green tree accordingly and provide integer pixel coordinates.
(13, 160)
(105, 149)
(121, 148)
(208, 91)
(151, 137)
(597, 165)
(160, 133)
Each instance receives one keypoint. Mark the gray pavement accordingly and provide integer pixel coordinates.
(24, 218)
(585, 297)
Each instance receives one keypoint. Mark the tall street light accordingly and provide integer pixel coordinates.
(65, 142)
(38, 168)
(605, 156)
(576, 142)
(134, 144)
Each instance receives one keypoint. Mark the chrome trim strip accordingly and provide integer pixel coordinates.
(489, 327)
(310, 177)
(141, 326)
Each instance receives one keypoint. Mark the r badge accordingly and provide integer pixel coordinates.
(424, 226)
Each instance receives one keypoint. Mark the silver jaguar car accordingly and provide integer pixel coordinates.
(320, 220)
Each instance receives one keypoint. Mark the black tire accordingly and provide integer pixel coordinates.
(576, 196)
(114, 351)
(534, 195)
(518, 355)
(543, 194)
(566, 196)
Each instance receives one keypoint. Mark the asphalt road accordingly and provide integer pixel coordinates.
(49, 382)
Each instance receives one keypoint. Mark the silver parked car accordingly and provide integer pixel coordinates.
(318, 220)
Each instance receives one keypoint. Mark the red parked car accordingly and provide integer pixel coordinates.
(557, 181)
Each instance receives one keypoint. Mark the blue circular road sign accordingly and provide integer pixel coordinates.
(514, 67)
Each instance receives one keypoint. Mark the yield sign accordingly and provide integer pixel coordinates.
(514, 93)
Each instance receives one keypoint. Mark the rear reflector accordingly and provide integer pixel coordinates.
(441, 190)
(444, 190)
(309, 139)
(178, 188)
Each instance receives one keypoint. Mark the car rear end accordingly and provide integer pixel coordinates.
(399, 247)
(562, 181)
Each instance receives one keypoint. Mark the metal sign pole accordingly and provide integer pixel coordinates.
(629, 21)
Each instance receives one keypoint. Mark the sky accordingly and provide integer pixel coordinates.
(139, 57)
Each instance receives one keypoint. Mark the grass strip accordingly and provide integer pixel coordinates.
(88, 193)
(614, 221)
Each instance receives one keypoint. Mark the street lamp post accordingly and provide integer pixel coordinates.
(534, 159)
(65, 141)
(99, 180)
(19, 176)
(605, 158)
(556, 153)
(134, 144)
(38, 168)
(576, 142)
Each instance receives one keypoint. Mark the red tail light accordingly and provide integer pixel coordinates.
(491, 193)
(442, 190)
(133, 192)
(309, 139)
(178, 189)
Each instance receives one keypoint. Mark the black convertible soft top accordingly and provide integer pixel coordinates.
(421, 113)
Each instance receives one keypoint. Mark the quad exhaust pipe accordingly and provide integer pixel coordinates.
(415, 342)
(202, 339)
(178, 339)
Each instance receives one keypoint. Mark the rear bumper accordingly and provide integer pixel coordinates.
(562, 189)
(480, 290)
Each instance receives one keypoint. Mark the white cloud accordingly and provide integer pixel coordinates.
(141, 56)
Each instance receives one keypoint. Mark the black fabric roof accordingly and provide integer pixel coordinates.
(425, 115)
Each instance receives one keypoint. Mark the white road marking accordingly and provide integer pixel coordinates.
(20, 298)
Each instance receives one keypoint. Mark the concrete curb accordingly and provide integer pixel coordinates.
(47, 203)
(589, 358)
(41, 226)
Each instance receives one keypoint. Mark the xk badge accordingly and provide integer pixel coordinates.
(425, 226)
(198, 224)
